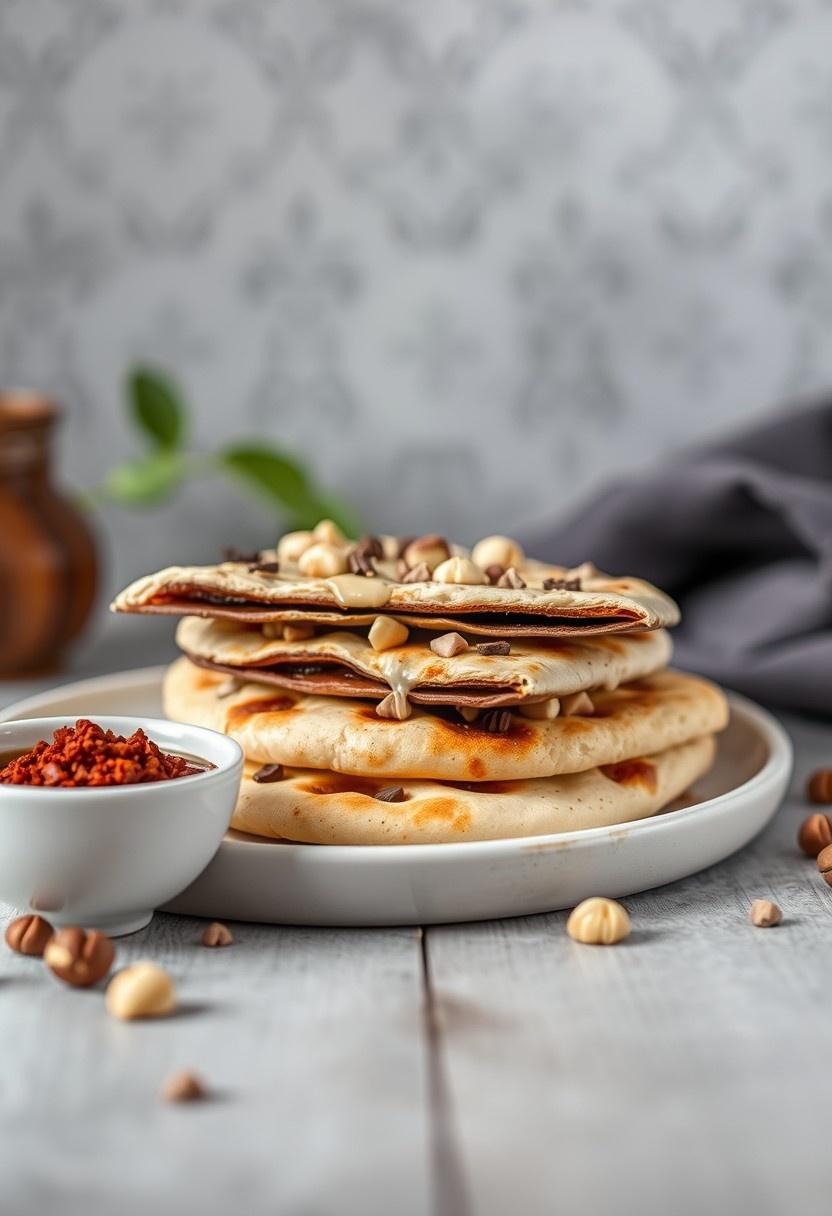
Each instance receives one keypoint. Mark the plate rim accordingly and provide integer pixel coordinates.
(776, 768)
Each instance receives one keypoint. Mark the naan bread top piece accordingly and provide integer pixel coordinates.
(347, 736)
(345, 663)
(328, 808)
(529, 597)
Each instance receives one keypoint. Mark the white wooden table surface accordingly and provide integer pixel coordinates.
(474, 1069)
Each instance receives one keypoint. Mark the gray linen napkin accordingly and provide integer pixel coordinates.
(740, 533)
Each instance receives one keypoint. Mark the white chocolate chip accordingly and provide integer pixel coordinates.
(322, 560)
(448, 645)
(598, 922)
(329, 532)
(292, 545)
(141, 991)
(459, 570)
(577, 703)
(386, 632)
(498, 551)
(541, 711)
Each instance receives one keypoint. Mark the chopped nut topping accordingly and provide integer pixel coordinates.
(459, 570)
(322, 560)
(541, 711)
(329, 532)
(448, 645)
(511, 579)
(419, 574)
(494, 573)
(577, 703)
(391, 793)
(432, 550)
(561, 584)
(269, 773)
(493, 647)
(363, 556)
(386, 632)
(497, 551)
(232, 554)
(292, 545)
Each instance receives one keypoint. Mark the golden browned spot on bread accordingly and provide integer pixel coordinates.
(436, 808)
(263, 705)
(475, 766)
(206, 679)
(632, 772)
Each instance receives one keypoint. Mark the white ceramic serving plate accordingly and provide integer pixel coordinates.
(104, 857)
(251, 878)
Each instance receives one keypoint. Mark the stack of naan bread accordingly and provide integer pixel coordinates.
(403, 690)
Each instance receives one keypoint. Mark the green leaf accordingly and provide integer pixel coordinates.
(157, 407)
(143, 482)
(272, 472)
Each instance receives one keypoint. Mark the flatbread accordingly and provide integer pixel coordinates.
(233, 590)
(328, 808)
(344, 663)
(290, 728)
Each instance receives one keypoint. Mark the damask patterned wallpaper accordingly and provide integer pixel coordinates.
(469, 256)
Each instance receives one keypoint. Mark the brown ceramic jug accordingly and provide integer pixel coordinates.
(47, 553)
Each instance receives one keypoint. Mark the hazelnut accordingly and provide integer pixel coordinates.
(448, 645)
(183, 1087)
(459, 570)
(598, 922)
(79, 957)
(468, 713)
(815, 833)
(498, 551)
(577, 703)
(217, 934)
(322, 560)
(541, 711)
(329, 532)
(765, 914)
(824, 863)
(141, 991)
(28, 935)
(819, 787)
(386, 632)
(427, 550)
(292, 545)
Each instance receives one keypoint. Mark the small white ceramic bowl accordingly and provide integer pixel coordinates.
(105, 857)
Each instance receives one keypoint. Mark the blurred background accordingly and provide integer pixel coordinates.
(467, 258)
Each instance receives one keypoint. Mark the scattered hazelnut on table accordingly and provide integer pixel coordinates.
(765, 914)
(815, 833)
(183, 1087)
(824, 863)
(217, 934)
(28, 935)
(819, 786)
(141, 991)
(80, 957)
(598, 922)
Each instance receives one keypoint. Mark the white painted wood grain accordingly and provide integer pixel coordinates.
(684, 1071)
(310, 1039)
